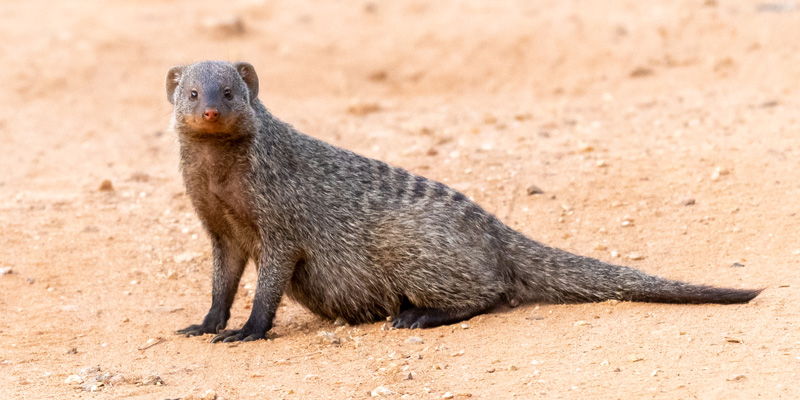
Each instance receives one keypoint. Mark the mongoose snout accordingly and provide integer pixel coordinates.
(211, 115)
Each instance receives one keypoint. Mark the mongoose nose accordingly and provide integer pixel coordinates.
(211, 114)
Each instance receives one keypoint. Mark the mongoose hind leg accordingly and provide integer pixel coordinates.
(432, 317)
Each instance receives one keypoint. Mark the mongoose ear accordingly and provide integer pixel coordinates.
(248, 74)
(173, 77)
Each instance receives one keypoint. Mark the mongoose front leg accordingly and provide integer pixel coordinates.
(276, 265)
(229, 262)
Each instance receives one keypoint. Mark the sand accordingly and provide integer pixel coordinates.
(664, 136)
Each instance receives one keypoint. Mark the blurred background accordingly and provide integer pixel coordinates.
(662, 135)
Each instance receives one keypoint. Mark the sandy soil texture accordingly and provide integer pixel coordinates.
(665, 136)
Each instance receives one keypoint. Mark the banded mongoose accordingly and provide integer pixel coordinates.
(352, 237)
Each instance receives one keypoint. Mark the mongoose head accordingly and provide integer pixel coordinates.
(213, 98)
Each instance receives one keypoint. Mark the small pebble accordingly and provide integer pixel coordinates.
(512, 368)
(464, 325)
(6, 271)
(211, 395)
(585, 147)
(152, 380)
(329, 337)
(88, 370)
(381, 391)
(635, 256)
(736, 378)
(448, 395)
(186, 256)
(533, 189)
(74, 379)
(688, 202)
(718, 172)
(340, 322)
(105, 186)
(415, 340)
(582, 323)
(117, 379)
(737, 264)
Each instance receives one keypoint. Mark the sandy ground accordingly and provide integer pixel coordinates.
(679, 118)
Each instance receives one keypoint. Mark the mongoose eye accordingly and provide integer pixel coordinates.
(227, 93)
(194, 94)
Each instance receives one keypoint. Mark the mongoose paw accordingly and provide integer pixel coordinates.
(415, 318)
(201, 329)
(236, 335)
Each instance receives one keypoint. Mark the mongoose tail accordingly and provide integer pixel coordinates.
(553, 275)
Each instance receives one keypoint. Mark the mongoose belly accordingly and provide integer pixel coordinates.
(343, 290)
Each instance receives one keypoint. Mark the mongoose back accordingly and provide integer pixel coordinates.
(352, 237)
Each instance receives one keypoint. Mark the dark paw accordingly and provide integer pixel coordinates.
(238, 335)
(202, 329)
(213, 322)
(413, 319)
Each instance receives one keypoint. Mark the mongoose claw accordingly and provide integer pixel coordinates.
(430, 317)
(191, 330)
(412, 319)
(236, 335)
(199, 330)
